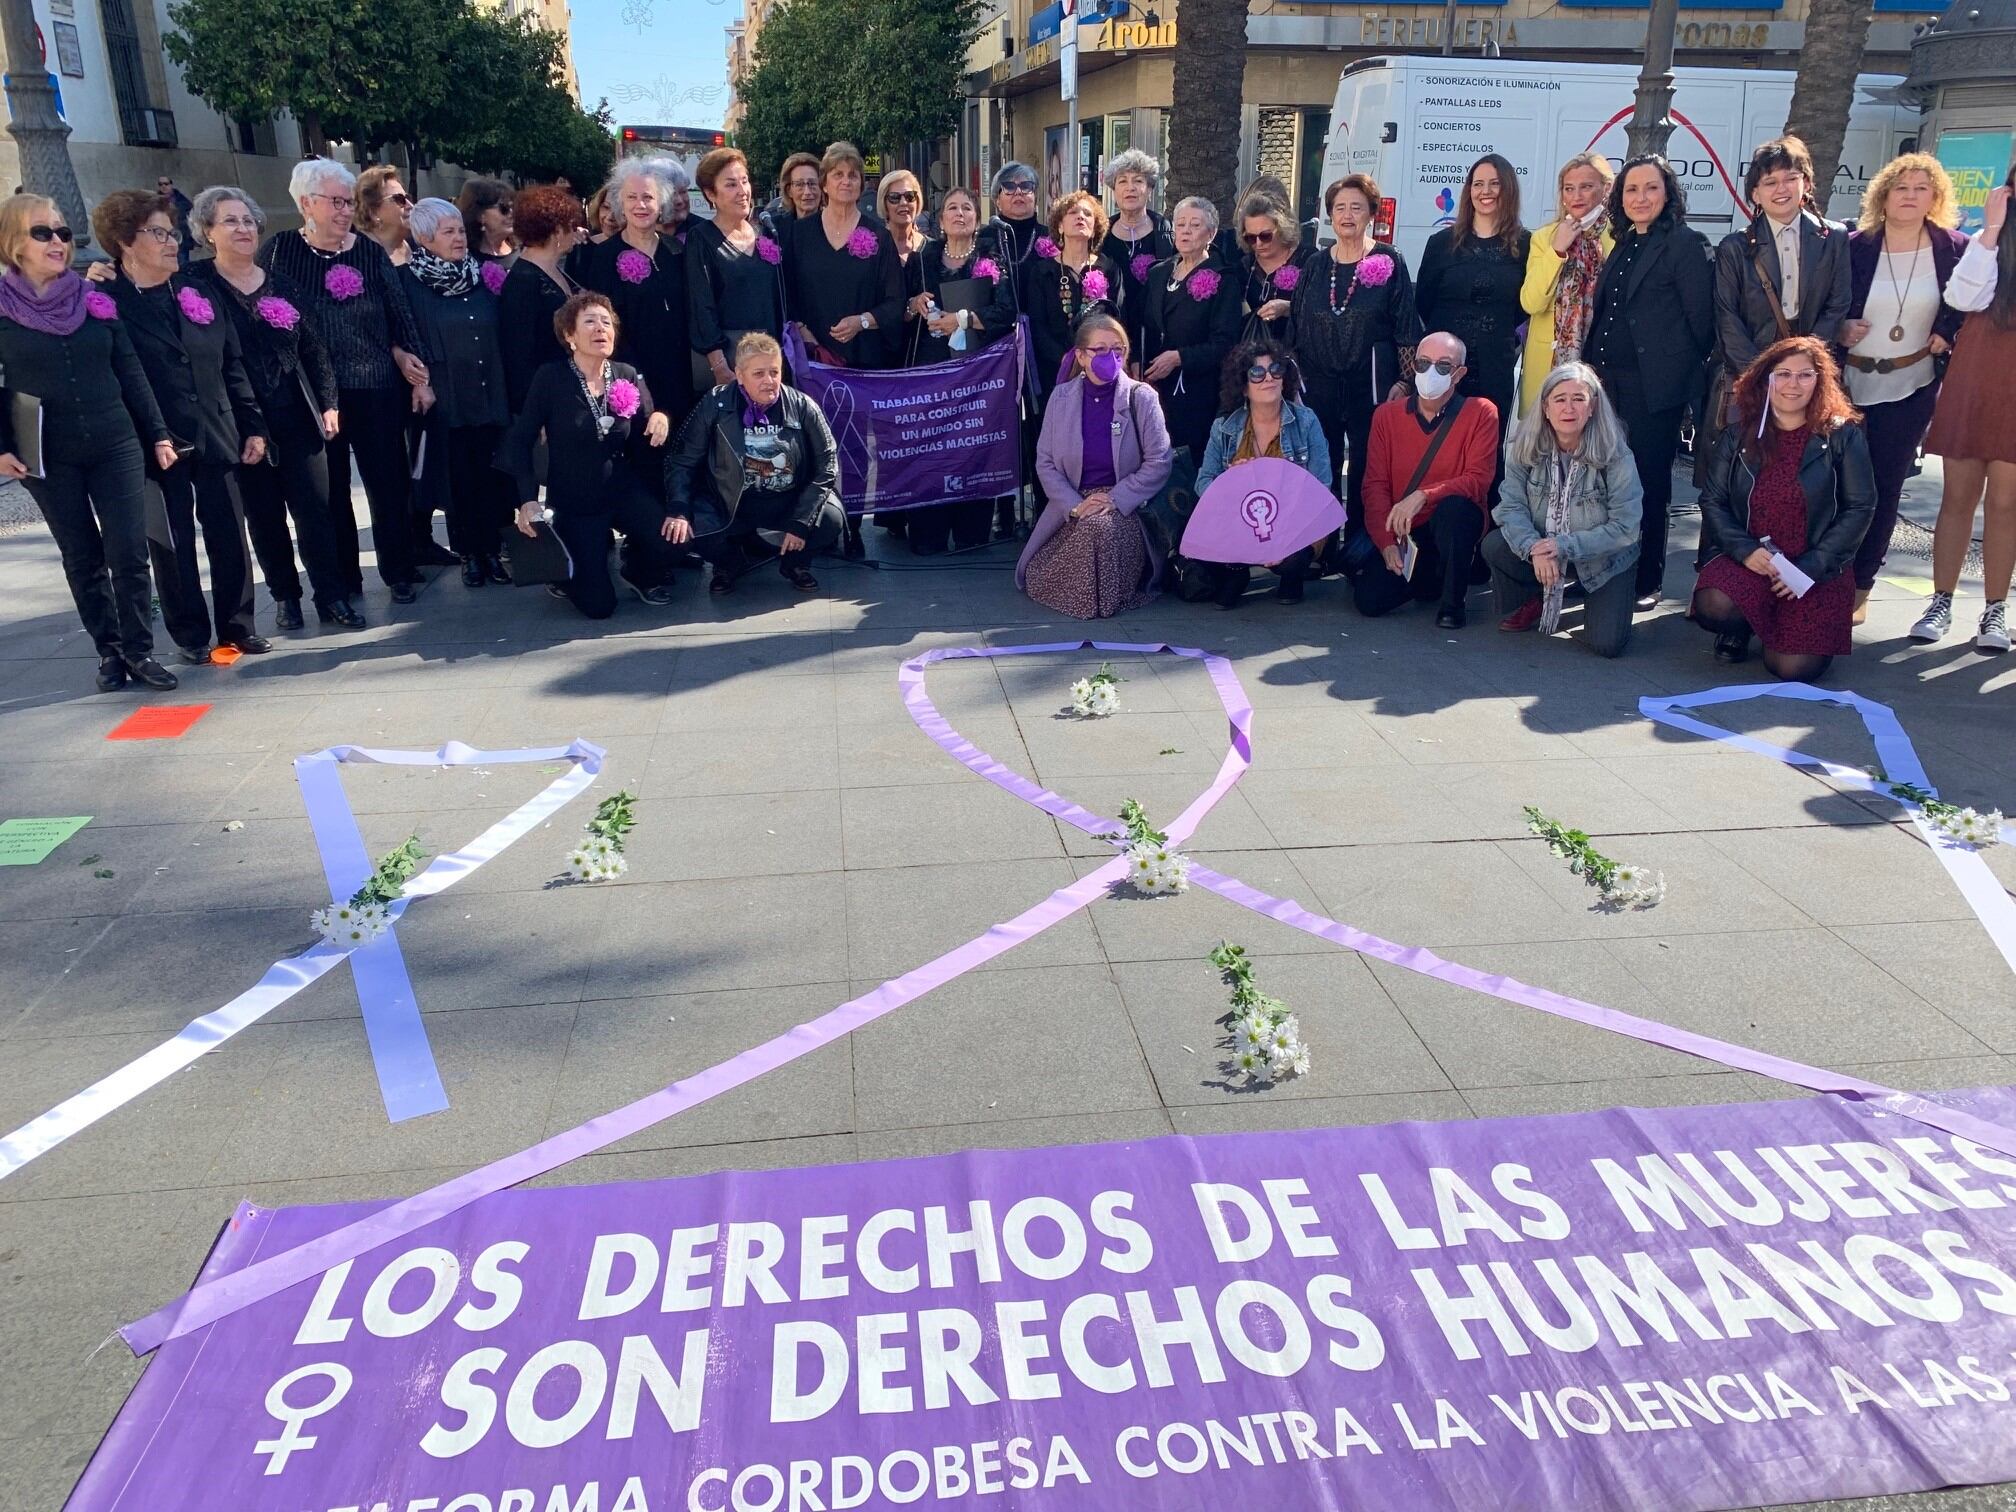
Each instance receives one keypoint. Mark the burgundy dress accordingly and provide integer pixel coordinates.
(1094, 567)
(1818, 624)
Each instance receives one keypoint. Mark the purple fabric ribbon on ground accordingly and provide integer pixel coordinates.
(224, 1295)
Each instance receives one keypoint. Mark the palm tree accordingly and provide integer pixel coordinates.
(1830, 58)
(1210, 79)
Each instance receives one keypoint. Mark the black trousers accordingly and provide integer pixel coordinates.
(1344, 405)
(374, 432)
(478, 495)
(293, 481)
(1893, 431)
(769, 511)
(1606, 611)
(1448, 541)
(97, 512)
(1654, 438)
(647, 558)
(190, 495)
(965, 521)
(1227, 582)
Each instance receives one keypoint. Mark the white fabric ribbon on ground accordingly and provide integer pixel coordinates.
(392, 1020)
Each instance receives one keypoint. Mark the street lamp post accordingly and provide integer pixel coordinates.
(1652, 112)
(42, 135)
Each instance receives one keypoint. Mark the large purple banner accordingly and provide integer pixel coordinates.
(1698, 1308)
(922, 435)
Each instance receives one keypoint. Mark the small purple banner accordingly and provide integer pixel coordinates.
(923, 435)
(1693, 1308)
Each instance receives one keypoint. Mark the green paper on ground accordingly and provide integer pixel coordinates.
(1920, 586)
(25, 842)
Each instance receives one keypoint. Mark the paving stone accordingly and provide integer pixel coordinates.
(901, 917)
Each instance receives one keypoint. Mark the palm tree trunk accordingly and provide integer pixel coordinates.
(1831, 57)
(1210, 77)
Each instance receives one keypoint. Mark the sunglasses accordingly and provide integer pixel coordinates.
(1261, 372)
(1441, 365)
(904, 197)
(1257, 238)
(1019, 186)
(51, 233)
(399, 199)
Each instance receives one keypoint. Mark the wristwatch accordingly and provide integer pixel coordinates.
(867, 320)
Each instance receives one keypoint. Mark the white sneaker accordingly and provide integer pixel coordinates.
(1993, 634)
(1936, 620)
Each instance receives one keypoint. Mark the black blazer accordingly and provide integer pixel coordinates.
(1668, 305)
(696, 487)
(466, 368)
(1840, 494)
(1744, 324)
(587, 473)
(197, 371)
(1037, 290)
(1865, 250)
(288, 365)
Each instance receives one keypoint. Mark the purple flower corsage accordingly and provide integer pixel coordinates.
(623, 398)
(494, 275)
(1046, 248)
(1203, 284)
(1375, 270)
(100, 305)
(277, 313)
(1287, 276)
(343, 281)
(986, 267)
(862, 243)
(1138, 266)
(632, 266)
(769, 251)
(1094, 284)
(195, 308)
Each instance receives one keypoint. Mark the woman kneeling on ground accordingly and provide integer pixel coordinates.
(1790, 481)
(1104, 453)
(1260, 414)
(1570, 509)
(756, 458)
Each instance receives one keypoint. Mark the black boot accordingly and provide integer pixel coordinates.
(287, 614)
(472, 572)
(852, 546)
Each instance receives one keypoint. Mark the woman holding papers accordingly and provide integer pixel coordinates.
(958, 281)
(75, 414)
(1789, 495)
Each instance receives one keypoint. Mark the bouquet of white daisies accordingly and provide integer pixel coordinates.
(368, 914)
(1096, 696)
(1969, 826)
(599, 858)
(1622, 883)
(1266, 1037)
(1153, 864)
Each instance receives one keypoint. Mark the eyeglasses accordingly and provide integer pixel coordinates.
(1442, 365)
(51, 233)
(1262, 372)
(1787, 375)
(904, 196)
(239, 223)
(339, 201)
(1257, 238)
(161, 234)
(1101, 351)
(1019, 186)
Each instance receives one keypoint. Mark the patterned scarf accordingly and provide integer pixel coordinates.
(1575, 293)
(1563, 476)
(451, 280)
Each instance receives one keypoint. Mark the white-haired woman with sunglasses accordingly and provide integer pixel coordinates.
(1569, 510)
(96, 414)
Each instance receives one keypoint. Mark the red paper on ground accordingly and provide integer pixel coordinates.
(158, 722)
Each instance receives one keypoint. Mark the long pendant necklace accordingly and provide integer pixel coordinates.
(1889, 267)
(1338, 306)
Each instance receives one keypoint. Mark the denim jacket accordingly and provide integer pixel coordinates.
(1301, 443)
(1601, 538)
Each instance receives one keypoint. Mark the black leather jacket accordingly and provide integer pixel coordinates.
(1840, 499)
(704, 477)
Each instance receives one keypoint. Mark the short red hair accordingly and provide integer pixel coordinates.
(543, 212)
(1829, 408)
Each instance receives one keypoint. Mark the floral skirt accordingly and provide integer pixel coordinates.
(1092, 568)
(1819, 624)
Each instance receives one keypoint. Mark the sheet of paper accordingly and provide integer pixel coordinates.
(27, 842)
(159, 722)
(1409, 555)
(1791, 576)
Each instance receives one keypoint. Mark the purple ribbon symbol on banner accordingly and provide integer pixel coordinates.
(225, 1294)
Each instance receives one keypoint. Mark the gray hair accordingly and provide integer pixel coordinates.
(203, 209)
(1202, 206)
(1603, 441)
(428, 217)
(1133, 160)
(311, 173)
(664, 174)
(1002, 174)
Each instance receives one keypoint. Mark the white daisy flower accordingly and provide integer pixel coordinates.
(1251, 1034)
(613, 865)
(1283, 1038)
(1252, 1062)
(1293, 1062)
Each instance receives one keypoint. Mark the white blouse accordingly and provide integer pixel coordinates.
(1916, 279)
(1972, 286)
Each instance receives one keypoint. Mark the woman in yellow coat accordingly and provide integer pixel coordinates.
(1563, 263)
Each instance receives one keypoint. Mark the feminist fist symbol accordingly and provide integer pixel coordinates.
(1260, 511)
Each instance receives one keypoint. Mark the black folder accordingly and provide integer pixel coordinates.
(974, 294)
(26, 412)
(541, 558)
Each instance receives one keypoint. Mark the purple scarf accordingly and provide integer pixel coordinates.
(753, 414)
(58, 312)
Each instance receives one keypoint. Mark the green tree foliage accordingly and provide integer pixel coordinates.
(437, 75)
(878, 73)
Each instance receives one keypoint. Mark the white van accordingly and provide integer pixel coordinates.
(1416, 124)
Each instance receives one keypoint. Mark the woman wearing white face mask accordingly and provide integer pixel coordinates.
(1191, 322)
(1104, 453)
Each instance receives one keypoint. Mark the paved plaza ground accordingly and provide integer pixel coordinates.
(800, 841)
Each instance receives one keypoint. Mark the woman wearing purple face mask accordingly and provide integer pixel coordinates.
(1104, 453)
